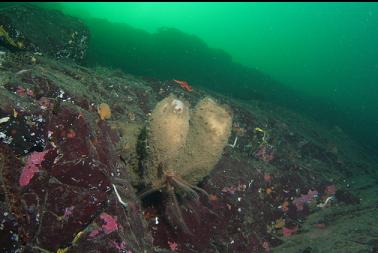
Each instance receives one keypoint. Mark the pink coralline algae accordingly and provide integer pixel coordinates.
(21, 91)
(110, 223)
(266, 246)
(120, 246)
(94, 232)
(265, 154)
(289, 231)
(68, 212)
(304, 198)
(30, 93)
(31, 167)
(173, 245)
(233, 189)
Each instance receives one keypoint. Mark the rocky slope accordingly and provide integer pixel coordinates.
(71, 170)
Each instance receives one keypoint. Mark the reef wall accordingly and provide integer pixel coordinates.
(69, 169)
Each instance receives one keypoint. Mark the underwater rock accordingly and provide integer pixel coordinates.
(27, 27)
(346, 197)
(31, 167)
(64, 157)
(14, 218)
(70, 189)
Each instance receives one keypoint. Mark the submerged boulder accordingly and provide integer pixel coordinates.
(59, 167)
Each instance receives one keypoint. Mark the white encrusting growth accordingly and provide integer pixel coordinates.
(5, 119)
(118, 196)
(322, 205)
(235, 141)
(178, 105)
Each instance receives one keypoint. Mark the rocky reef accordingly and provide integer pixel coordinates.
(29, 28)
(76, 146)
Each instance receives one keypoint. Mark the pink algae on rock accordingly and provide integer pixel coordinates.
(94, 232)
(31, 167)
(305, 198)
(289, 231)
(173, 245)
(110, 223)
(120, 246)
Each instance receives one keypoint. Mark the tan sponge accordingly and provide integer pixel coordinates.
(189, 144)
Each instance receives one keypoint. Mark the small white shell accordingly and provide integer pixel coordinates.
(5, 119)
(178, 105)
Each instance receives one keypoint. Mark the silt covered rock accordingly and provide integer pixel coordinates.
(26, 27)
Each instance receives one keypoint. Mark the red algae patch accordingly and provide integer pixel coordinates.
(31, 167)
(110, 223)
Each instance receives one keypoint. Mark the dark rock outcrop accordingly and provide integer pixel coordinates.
(29, 28)
(59, 166)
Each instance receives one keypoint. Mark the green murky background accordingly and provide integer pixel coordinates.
(320, 59)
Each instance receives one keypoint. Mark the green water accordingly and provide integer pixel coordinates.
(318, 58)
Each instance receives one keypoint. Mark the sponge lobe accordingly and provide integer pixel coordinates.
(168, 130)
(209, 131)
